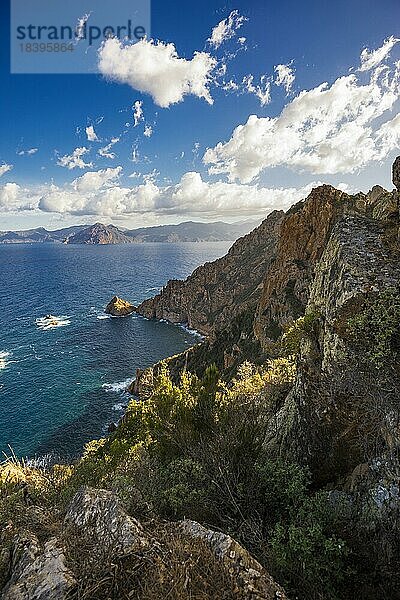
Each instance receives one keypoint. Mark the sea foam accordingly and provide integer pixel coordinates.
(4, 359)
(52, 322)
(119, 386)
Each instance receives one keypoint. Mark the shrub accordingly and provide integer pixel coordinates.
(297, 331)
(376, 328)
(308, 562)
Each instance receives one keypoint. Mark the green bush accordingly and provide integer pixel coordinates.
(308, 562)
(297, 331)
(182, 490)
(376, 328)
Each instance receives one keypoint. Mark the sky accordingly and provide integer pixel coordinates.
(226, 111)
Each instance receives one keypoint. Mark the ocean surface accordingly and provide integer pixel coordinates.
(61, 387)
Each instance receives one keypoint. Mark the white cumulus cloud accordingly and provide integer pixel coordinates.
(99, 193)
(226, 29)
(4, 168)
(155, 68)
(372, 58)
(137, 112)
(285, 76)
(92, 181)
(91, 134)
(261, 90)
(105, 151)
(14, 198)
(328, 129)
(75, 160)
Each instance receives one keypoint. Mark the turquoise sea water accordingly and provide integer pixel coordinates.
(59, 388)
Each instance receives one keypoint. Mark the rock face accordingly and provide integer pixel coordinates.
(117, 307)
(248, 574)
(97, 516)
(396, 173)
(302, 239)
(217, 291)
(38, 573)
(360, 260)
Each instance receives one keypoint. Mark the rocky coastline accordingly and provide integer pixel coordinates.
(267, 454)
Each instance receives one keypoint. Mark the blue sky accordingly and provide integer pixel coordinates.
(318, 41)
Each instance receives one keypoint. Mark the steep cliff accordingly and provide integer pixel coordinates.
(329, 305)
(245, 300)
(216, 292)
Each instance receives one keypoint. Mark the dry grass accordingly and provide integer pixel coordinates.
(174, 568)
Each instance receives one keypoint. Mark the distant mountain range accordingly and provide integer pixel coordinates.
(110, 234)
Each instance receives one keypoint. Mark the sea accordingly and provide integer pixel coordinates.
(62, 386)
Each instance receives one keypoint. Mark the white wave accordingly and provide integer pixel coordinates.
(4, 359)
(52, 322)
(119, 386)
(119, 406)
(101, 317)
(191, 331)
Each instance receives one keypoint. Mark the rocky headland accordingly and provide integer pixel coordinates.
(265, 456)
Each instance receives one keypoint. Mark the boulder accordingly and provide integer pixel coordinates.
(117, 307)
(37, 573)
(99, 519)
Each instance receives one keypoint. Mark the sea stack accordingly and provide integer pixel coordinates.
(117, 307)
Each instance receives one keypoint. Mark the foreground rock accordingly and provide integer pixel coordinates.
(98, 518)
(117, 307)
(102, 543)
(248, 574)
(38, 573)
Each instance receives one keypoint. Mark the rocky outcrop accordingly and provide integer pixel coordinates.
(102, 542)
(336, 408)
(303, 235)
(216, 292)
(117, 307)
(247, 572)
(96, 515)
(38, 573)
